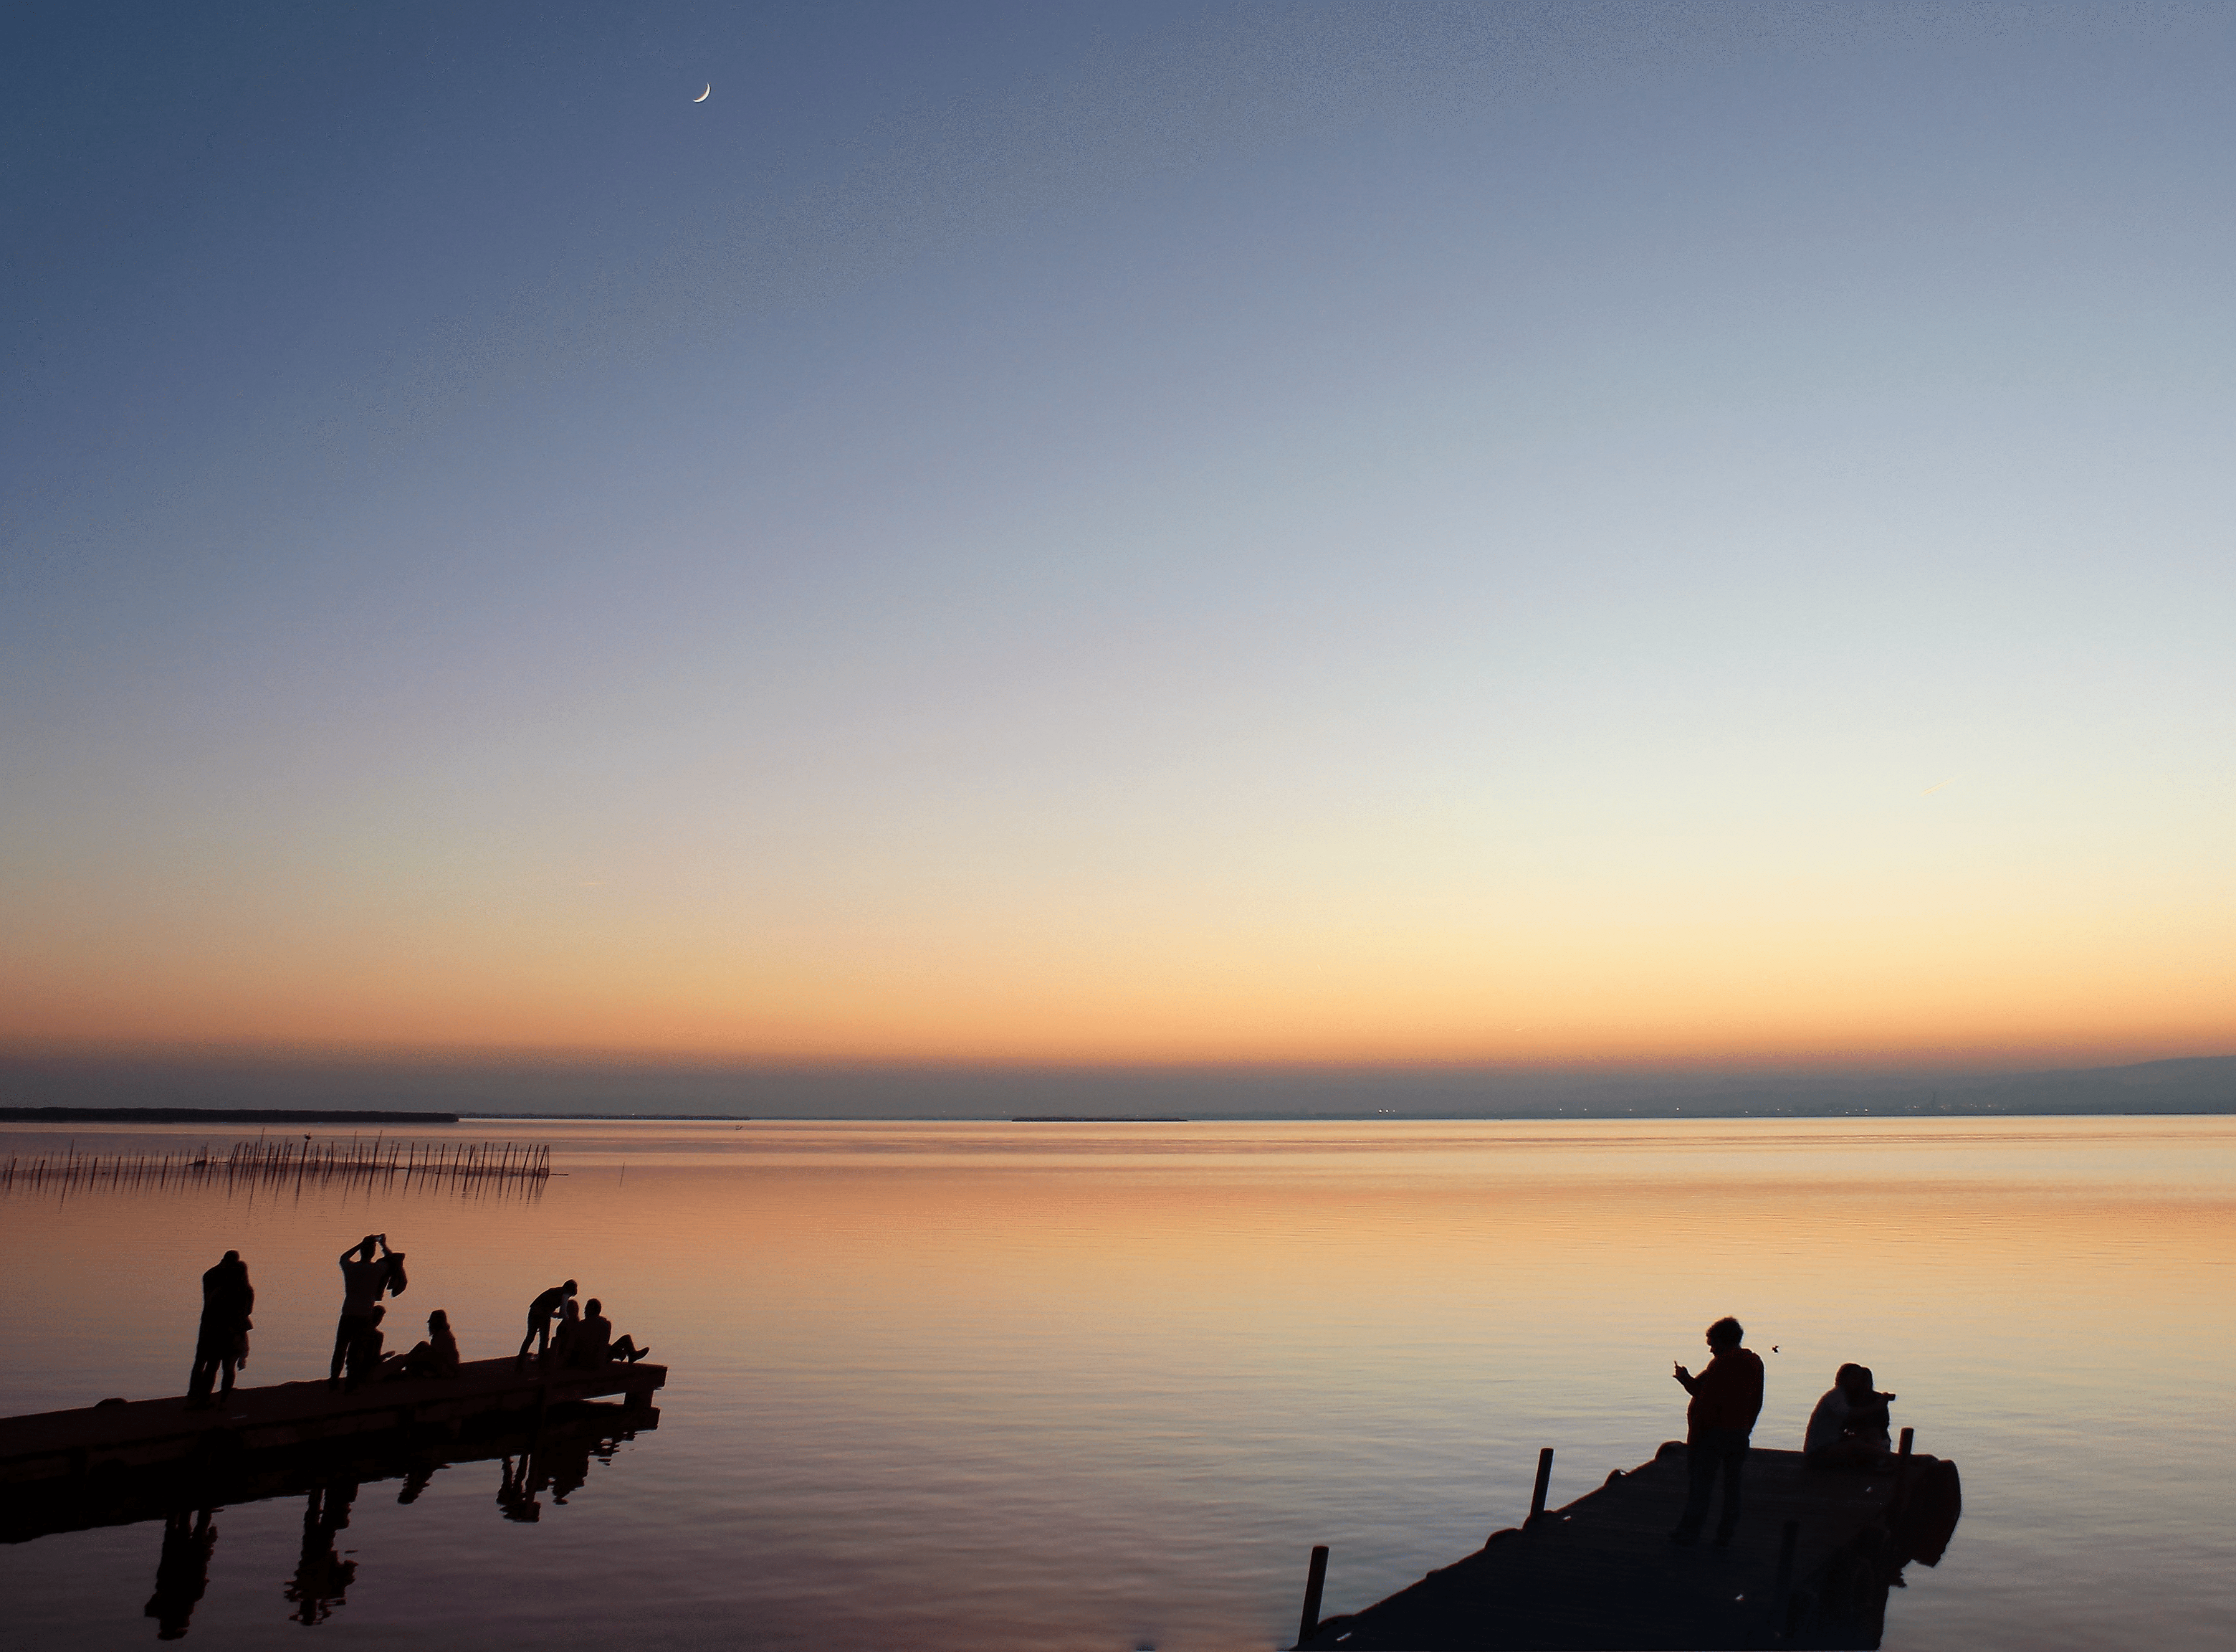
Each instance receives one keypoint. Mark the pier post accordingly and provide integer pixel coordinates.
(1544, 1483)
(1901, 1497)
(1315, 1581)
(1788, 1540)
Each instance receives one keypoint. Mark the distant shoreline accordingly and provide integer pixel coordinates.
(1636, 1115)
(204, 1088)
(213, 1116)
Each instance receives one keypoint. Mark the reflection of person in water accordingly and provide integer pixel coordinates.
(567, 1460)
(322, 1576)
(1851, 1426)
(363, 1278)
(515, 1491)
(182, 1574)
(437, 1357)
(227, 1300)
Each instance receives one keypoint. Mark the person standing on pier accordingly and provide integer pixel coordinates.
(540, 1313)
(227, 1300)
(363, 1278)
(1726, 1399)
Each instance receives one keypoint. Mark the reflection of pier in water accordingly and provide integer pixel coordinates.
(1811, 1565)
(542, 1436)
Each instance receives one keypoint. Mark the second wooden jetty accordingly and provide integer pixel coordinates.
(1811, 1565)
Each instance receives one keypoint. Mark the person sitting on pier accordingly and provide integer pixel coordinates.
(437, 1357)
(563, 1334)
(1851, 1426)
(1726, 1400)
(593, 1343)
(363, 1278)
(540, 1313)
(228, 1298)
(364, 1348)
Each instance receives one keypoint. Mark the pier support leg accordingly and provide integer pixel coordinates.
(1544, 1484)
(1788, 1541)
(1315, 1581)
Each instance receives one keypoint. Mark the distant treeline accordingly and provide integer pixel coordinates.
(211, 1116)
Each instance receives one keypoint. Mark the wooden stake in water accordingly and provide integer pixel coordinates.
(1315, 1581)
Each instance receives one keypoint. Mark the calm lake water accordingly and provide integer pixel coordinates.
(1102, 1386)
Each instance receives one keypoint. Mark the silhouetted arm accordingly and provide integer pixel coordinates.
(1692, 1383)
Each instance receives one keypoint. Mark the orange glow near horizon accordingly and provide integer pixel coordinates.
(1857, 991)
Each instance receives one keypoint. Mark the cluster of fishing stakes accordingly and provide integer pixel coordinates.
(265, 1163)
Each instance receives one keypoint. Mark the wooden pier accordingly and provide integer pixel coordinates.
(1815, 1555)
(119, 1437)
(568, 1435)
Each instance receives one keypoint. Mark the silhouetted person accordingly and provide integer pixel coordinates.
(363, 1351)
(593, 1344)
(322, 1576)
(1726, 1399)
(540, 1313)
(1850, 1425)
(363, 1278)
(437, 1357)
(563, 1335)
(182, 1574)
(228, 1298)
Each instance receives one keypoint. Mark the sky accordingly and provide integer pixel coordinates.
(1587, 534)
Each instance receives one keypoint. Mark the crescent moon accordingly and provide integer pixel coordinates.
(704, 95)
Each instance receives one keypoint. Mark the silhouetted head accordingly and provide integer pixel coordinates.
(365, 1251)
(232, 1256)
(1858, 1383)
(438, 1320)
(1725, 1332)
(591, 1307)
(569, 1288)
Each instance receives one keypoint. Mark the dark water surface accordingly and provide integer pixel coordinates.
(987, 1386)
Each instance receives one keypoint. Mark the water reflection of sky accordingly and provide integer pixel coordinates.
(1066, 1385)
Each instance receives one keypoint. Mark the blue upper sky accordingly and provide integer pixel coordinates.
(1001, 507)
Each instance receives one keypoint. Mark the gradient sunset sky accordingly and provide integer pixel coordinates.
(1549, 533)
